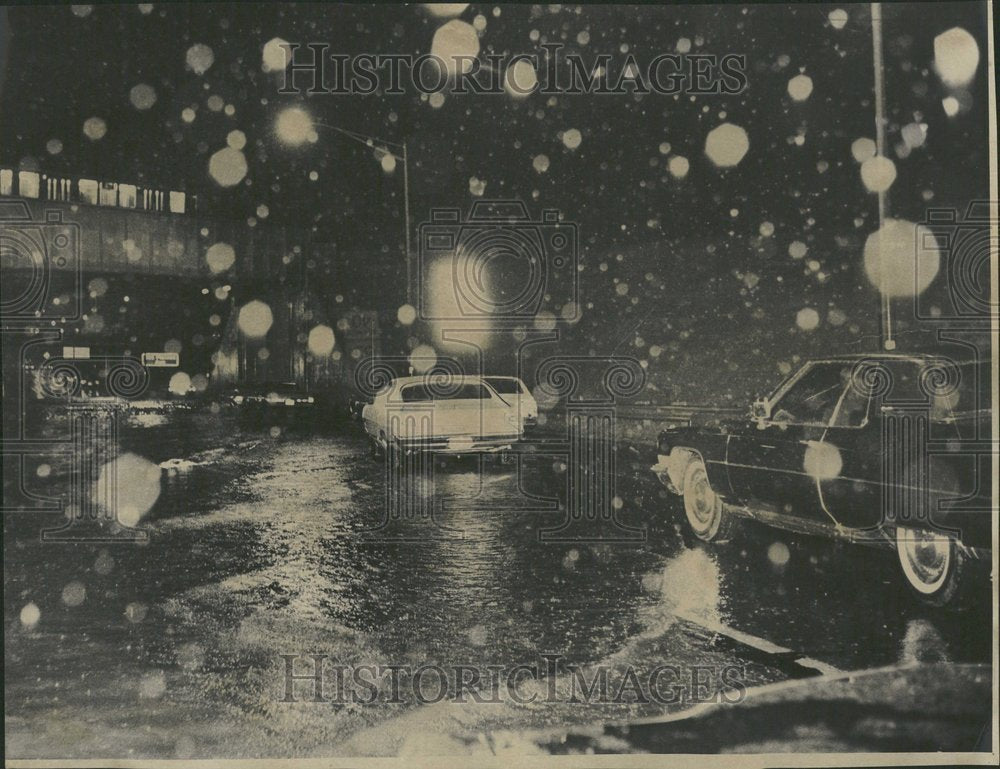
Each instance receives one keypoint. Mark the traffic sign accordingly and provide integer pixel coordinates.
(161, 359)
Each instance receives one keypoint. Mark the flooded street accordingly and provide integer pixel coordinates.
(384, 384)
(272, 540)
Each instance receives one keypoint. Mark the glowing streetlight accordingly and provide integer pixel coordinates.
(295, 127)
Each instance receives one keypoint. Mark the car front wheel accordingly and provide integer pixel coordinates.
(935, 567)
(706, 514)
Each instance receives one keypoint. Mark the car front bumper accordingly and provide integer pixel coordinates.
(669, 469)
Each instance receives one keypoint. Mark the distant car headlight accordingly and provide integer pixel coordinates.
(238, 400)
(310, 399)
(289, 401)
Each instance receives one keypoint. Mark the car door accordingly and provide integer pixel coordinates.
(847, 461)
(767, 460)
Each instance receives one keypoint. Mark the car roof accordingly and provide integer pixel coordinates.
(425, 378)
(880, 355)
(914, 357)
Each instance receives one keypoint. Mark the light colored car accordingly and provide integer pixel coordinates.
(513, 389)
(460, 416)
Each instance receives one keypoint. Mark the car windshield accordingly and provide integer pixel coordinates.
(505, 385)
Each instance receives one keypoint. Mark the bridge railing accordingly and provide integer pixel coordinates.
(35, 185)
(679, 413)
(640, 424)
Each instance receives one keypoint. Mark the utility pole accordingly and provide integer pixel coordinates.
(406, 224)
(888, 342)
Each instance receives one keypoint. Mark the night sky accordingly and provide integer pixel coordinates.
(679, 264)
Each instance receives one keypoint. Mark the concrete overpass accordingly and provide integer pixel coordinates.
(125, 270)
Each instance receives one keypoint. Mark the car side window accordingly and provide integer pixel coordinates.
(813, 398)
(505, 386)
(470, 392)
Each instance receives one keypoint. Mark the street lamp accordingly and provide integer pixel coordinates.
(295, 127)
(888, 342)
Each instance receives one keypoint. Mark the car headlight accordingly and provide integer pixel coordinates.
(310, 399)
(289, 401)
(238, 400)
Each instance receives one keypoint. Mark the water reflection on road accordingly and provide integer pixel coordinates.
(265, 543)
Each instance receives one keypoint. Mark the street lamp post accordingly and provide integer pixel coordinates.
(888, 342)
(295, 126)
(406, 224)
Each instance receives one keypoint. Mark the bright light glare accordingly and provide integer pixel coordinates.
(956, 57)
(294, 126)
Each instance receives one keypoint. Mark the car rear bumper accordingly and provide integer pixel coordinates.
(458, 444)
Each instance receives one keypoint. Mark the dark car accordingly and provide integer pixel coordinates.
(883, 449)
(273, 396)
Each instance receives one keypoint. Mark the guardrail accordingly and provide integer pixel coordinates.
(682, 412)
(639, 425)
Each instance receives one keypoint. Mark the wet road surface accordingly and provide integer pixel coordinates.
(267, 542)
